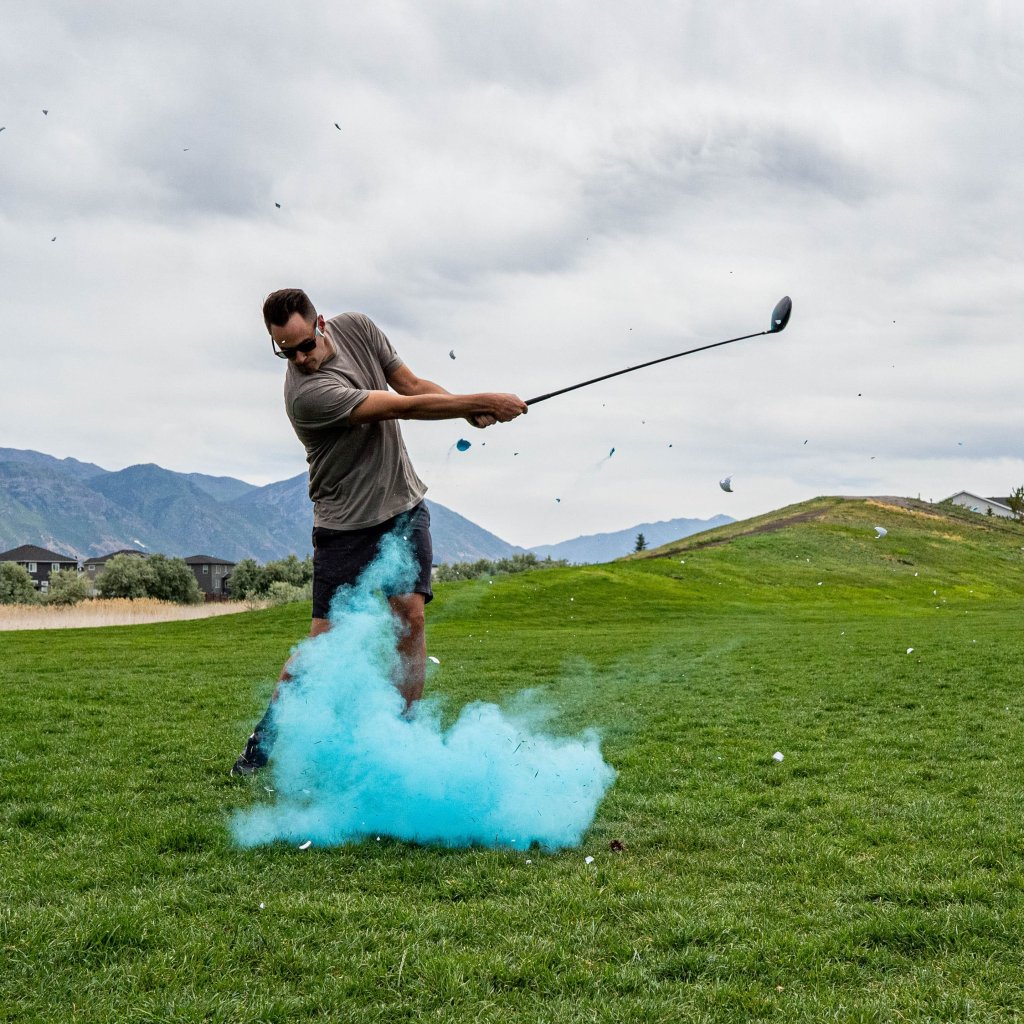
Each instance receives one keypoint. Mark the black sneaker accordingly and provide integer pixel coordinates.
(252, 759)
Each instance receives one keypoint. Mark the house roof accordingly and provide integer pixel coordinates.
(34, 553)
(99, 559)
(206, 560)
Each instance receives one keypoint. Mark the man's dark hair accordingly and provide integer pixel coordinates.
(278, 307)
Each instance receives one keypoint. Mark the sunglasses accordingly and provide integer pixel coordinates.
(305, 347)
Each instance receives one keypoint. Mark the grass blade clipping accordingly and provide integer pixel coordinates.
(346, 763)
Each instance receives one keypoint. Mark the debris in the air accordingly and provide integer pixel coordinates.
(451, 353)
(726, 484)
(515, 453)
(278, 205)
(880, 532)
(611, 453)
(559, 500)
(436, 661)
(463, 445)
(45, 111)
(306, 845)
(54, 239)
(338, 126)
(778, 756)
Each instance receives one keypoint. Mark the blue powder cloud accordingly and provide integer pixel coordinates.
(347, 764)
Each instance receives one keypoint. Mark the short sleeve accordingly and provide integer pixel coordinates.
(382, 348)
(327, 405)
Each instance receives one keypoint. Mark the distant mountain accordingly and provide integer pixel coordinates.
(79, 470)
(81, 509)
(604, 547)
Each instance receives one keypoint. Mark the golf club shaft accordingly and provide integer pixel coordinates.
(630, 369)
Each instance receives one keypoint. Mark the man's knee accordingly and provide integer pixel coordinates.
(409, 609)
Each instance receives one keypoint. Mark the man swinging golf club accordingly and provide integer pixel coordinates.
(361, 481)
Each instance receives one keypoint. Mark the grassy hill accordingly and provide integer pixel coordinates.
(874, 874)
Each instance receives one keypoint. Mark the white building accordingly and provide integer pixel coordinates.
(976, 503)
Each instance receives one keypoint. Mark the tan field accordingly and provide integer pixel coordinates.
(120, 611)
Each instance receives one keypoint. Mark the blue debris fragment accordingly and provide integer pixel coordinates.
(463, 445)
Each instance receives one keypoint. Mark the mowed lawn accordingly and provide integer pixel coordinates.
(876, 873)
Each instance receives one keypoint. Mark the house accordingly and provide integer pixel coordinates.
(976, 503)
(212, 573)
(94, 566)
(40, 563)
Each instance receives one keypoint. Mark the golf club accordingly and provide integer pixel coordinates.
(780, 317)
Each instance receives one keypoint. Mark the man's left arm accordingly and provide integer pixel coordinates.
(405, 382)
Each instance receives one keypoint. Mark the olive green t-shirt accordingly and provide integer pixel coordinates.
(358, 475)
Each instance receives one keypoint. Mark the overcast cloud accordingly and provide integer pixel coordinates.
(554, 191)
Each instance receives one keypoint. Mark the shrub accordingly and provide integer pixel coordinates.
(67, 587)
(448, 573)
(280, 593)
(123, 576)
(170, 579)
(16, 586)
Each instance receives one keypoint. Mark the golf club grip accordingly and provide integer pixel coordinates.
(640, 366)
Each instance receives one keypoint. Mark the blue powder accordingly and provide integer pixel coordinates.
(348, 765)
(463, 445)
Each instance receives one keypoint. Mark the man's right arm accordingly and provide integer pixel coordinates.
(386, 405)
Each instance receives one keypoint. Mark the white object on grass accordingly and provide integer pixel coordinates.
(306, 845)
(880, 532)
(910, 650)
(778, 756)
(436, 661)
(588, 860)
(726, 484)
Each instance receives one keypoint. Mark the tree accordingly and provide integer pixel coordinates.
(16, 586)
(170, 579)
(67, 587)
(641, 543)
(245, 580)
(124, 576)
(1016, 503)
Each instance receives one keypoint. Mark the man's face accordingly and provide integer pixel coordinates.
(298, 330)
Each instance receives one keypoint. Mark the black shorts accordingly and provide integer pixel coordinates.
(340, 556)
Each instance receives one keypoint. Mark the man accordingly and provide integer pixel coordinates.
(361, 481)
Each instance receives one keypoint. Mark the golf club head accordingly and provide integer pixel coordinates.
(780, 314)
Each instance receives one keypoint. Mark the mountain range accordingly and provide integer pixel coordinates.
(81, 509)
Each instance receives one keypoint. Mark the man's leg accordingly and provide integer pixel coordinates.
(261, 741)
(412, 645)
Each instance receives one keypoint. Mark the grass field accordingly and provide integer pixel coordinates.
(875, 874)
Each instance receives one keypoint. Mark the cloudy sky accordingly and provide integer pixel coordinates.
(553, 191)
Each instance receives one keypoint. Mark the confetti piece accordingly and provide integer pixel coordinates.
(278, 205)
(45, 111)
(611, 453)
(262, 905)
(338, 126)
(529, 862)
(559, 500)
(436, 661)
(451, 353)
(910, 650)
(588, 860)
(463, 445)
(726, 484)
(306, 845)
(778, 756)
(880, 532)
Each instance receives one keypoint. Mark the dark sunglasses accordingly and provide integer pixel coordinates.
(306, 346)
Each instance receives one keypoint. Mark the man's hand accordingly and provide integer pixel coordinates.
(497, 408)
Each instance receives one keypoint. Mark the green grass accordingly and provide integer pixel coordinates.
(876, 874)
